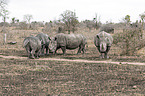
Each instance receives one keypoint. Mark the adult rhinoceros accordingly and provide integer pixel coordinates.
(33, 46)
(103, 41)
(69, 41)
(44, 38)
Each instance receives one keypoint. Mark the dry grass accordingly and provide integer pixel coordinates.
(41, 78)
(45, 78)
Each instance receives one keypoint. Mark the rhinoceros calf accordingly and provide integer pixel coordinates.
(69, 41)
(44, 38)
(103, 41)
(33, 46)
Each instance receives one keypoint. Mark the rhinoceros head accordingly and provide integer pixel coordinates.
(53, 45)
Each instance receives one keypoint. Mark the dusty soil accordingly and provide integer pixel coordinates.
(76, 60)
(44, 77)
(69, 75)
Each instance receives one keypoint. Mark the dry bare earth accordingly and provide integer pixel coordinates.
(44, 77)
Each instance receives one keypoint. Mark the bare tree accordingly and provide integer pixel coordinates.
(4, 14)
(28, 18)
(70, 20)
(97, 22)
(3, 11)
(142, 16)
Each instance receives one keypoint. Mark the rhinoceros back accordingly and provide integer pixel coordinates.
(44, 38)
(25, 43)
(71, 41)
(32, 42)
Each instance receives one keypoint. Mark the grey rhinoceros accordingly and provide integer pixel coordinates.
(44, 38)
(33, 46)
(103, 42)
(69, 41)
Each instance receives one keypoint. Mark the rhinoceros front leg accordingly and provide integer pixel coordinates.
(63, 48)
(102, 55)
(47, 51)
(108, 48)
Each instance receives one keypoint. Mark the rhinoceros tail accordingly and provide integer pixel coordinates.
(25, 43)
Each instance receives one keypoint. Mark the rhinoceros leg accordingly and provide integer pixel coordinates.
(79, 50)
(63, 48)
(32, 53)
(102, 55)
(47, 50)
(42, 50)
(28, 51)
(38, 53)
(83, 49)
(108, 48)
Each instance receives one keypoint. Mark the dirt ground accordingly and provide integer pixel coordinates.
(70, 74)
(53, 78)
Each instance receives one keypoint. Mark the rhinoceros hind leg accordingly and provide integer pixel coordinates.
(63, 48)
(42, 50)
(79, 51)
(32, 54)
(28, 51)
(38, 53)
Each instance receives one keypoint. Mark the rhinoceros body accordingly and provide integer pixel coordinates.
(44, 38)
(103, 42)
(70, 41)
(33, 46)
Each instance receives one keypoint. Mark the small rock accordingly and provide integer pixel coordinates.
(134, 87)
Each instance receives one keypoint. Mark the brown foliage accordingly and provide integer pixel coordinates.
(130, 40)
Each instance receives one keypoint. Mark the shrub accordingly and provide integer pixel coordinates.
(130, 40)
(23, 26)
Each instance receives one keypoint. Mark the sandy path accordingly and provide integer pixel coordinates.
(77, 60)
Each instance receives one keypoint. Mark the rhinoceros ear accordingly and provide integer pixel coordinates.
(97, 37)
(49, 38)
(55, 38)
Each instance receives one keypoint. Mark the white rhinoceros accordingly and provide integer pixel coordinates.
(103, 42)
(69, 41)
(33, 46)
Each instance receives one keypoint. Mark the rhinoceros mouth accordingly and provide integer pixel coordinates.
(103, 52)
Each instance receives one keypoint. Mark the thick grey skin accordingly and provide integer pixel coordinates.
(103, 42)
(33, 46)
(70, 41)
(45, 40)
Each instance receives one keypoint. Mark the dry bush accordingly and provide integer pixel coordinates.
(23, 26)
(130, 40)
